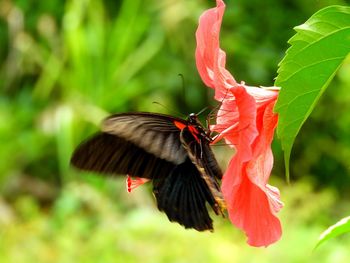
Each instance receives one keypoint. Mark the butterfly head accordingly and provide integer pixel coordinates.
(192, 118)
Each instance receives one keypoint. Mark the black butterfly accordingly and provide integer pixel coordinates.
(172, 152)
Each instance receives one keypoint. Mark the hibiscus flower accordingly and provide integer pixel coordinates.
(247, 122)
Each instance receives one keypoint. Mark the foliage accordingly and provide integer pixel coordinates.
(316, 53)
(341, 227)
(89, 225)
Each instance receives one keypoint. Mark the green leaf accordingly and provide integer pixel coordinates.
(317, 51)
(341, 227)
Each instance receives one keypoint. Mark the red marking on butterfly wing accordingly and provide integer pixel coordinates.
(132, 183)
(180, 125)
(194, 132)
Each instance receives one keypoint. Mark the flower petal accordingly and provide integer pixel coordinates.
(210, 59)
(263, 96)
(250, 210)
(252, 204)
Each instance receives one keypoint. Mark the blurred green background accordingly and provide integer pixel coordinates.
(64, 65)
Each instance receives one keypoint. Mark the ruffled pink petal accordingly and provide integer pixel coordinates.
(236, 121)
(258, 171)
(252, 203)
(250, 210)
(210, 59)
(263, 96)
(274, 197)
(242, 136)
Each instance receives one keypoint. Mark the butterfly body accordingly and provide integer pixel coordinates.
(171, 152)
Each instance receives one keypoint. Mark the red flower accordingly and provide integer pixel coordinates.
(247, 122)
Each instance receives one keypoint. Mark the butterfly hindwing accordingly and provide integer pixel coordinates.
(183, 195)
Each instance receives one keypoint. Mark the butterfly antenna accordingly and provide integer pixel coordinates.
(183, 87)
(202, 110)
(173, 111)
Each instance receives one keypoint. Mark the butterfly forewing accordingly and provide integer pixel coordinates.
(154, 133)
(110, 154)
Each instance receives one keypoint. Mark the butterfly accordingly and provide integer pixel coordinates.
(171, 152)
